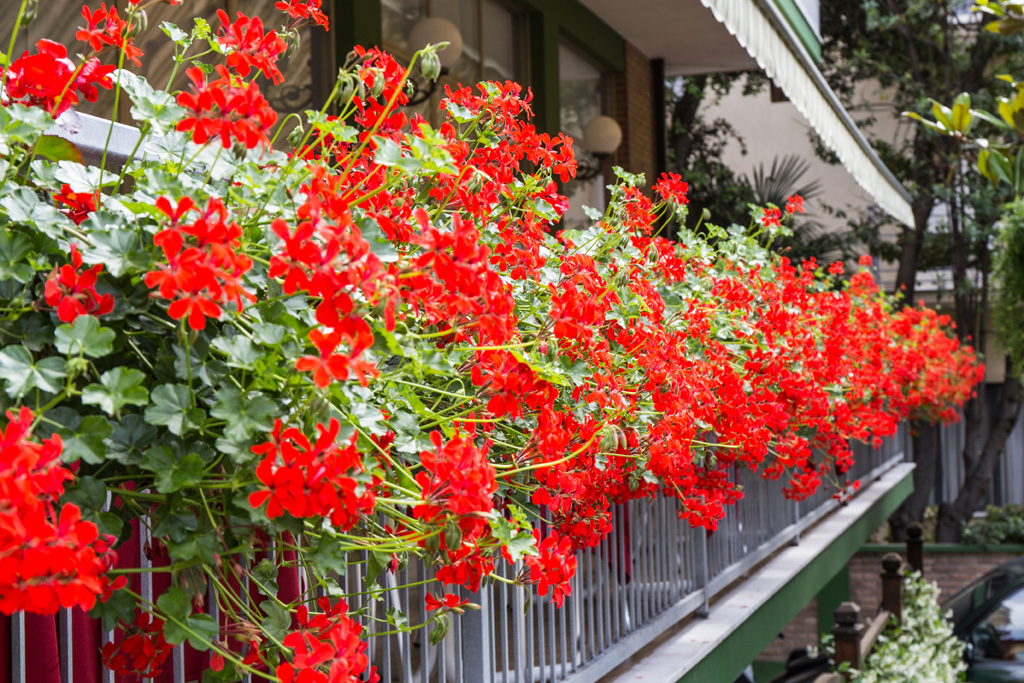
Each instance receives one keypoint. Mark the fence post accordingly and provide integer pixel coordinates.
(915, 547)
(477, 666)
(892, 585)
(847, 632)
(703, 575)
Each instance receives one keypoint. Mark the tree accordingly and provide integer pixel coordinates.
(696, 145)
(912, 50)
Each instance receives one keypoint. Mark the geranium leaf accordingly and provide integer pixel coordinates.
(117, 388)
(244, 415)
(87, 441)
(21, 374)
(14, 247)
(172, 408)
(172, 473)
(56, 148)
(84, 336)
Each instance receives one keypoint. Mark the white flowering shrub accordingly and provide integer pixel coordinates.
(921, 650)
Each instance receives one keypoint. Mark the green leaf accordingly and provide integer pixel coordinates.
(23, 206)
(175, 33)
(14, 247)
(961, 115)
(277, 622)
(244, 415)
(327, 556)
(192, 546)
(130, 439)
(265, 577)
(87, 441)
(117, 388)
(86, 337)
(375, 564)
(241, 352)
(177, 526)
(388, 152)
(117, 251)
(269, 334)
(83, 178)
(21, 374)
(88, 493)
(174, 604)
(406, 427)
(172, 408)
(172, 473)
(202, 630)
(397, 617)
(119, 607)
(57, 148)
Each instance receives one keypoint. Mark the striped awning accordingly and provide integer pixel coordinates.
(768, 37)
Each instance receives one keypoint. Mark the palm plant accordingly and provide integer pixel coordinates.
(810, 238)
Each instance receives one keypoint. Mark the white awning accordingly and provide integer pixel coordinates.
(769, 39)
(693, 40)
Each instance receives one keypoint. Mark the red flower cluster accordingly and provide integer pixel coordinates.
(78, 205)
(74, 293)
(47, 561)
(105, 28)
(50, 80)
(304, 9)
(326, 648)
(204, 268)
(227, 108)
(672, 188)
(311, 479)
(450, 603)
(250, 47)
(554, 566)
(141, 649)
(458, 482)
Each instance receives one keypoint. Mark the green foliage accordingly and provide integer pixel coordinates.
(1000, 526)
(1009, 272)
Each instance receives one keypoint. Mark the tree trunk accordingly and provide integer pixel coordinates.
(913, 240)
(925, 441)
(980, 462)
(684, 114)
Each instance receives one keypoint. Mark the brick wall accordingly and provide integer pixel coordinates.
(952, 571)
(634, 110)
(800, 632)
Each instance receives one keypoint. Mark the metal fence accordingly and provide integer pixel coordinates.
(1007, 484)
(651, 572)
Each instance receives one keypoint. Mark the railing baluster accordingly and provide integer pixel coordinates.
(18, 647)
(66, 645)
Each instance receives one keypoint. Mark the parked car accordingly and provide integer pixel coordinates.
(988, 615)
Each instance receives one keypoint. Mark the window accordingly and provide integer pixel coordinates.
(493, 36)
(583, 94)
(999, 636)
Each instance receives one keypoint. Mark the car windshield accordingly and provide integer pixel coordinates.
(974, 596)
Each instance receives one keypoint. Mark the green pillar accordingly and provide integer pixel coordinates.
(833, 594)
(356, 22)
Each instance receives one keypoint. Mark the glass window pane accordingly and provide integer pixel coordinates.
(502, 48)
(397, 19)
(581, 96)
(1000, 636)
(464, 14)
